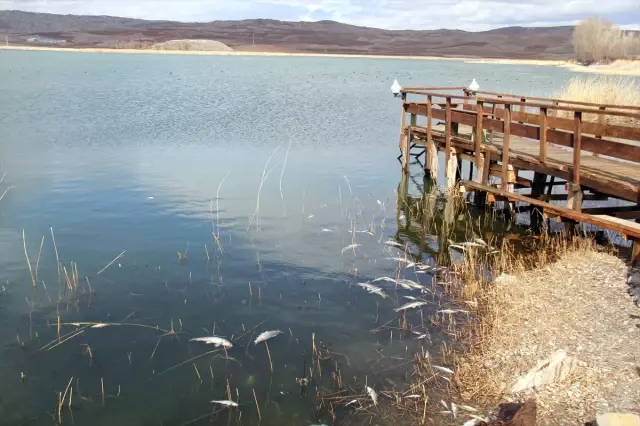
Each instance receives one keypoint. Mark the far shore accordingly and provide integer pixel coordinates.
(628, 68)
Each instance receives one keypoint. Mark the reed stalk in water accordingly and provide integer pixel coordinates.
(53, 238)
(24, 242)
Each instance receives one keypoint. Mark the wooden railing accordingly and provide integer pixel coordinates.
(607, 130)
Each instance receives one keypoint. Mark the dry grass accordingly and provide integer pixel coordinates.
(193, 45)
(566, 295)
(603, 90)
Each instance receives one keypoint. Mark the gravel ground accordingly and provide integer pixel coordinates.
(580, 304)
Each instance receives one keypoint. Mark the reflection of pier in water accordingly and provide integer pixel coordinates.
(429, 221)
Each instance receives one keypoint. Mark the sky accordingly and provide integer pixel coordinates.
(471, 15)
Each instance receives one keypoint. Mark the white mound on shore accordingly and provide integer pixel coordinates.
(198, 45)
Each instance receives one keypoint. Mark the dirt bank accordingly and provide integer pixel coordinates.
(579, 304)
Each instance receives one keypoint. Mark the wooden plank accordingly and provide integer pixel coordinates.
(505, 146)
(431, 145)
(543, 135)
(447, 139)
(628, 228)
(404, 117)
(478, 144)
(577, 147)
(558, 101)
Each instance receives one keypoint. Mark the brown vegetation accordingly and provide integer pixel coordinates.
(596, 40)
(606, 91)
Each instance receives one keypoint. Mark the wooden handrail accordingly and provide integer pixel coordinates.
(555, 104)
(566, 101)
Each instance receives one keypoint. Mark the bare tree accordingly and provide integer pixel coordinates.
(598, 40)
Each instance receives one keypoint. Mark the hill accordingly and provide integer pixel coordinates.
(272, 35)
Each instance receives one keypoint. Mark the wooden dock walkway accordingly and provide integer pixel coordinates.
(515, 143)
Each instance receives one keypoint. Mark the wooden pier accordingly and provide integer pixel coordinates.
(519, 148)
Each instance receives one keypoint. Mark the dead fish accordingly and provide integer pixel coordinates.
(225, 403)
(373, 289)
(350, 247)
(326, 230)
(413, 396)
(411, 305)
(452, 311)
(388, 279)
(351, 402)
(263, 337)
(373, 395)
(100, 325)
(392, 243)
(399, 259)
(213, 340)
(410, 297)
(410, 285)
(443, 369)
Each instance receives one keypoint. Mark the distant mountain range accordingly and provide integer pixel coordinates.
(28, 28)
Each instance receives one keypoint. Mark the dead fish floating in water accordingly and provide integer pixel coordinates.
(452, 311)
(443, 369)
(350, 247)
(392, 243)
(263, 337)
(411, 305)
(373, 395)
(226, 403)
(213, 340)
(373, 289)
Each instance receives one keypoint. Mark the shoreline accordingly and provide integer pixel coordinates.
(505, 61)
(538, 320)
(620, 68)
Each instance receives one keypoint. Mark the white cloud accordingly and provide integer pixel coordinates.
(393, 14)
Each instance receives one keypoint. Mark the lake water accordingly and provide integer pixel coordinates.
(126, 153)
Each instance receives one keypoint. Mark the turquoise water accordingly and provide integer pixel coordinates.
(127, 153)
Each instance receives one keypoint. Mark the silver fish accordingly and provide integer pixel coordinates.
(373, 395)
(225, 402)
(263, 337)
(213, 340)
(411, 305)
(373, 289)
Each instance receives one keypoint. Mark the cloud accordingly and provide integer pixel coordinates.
(392, 14)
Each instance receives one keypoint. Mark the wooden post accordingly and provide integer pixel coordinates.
(601, 121)
(493, 116)
(577, 146)
(574, 198)
(505, 147)
(452, 168)
(447, 139)
(432, 149)
(479, 133)
(635, 253)
(403, 119)
(537, 189)
(406, 143)
(543, 135)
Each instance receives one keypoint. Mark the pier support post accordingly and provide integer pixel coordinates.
(431, 163)
(452, 168)
(405, 144)
(537, 189)
(635, 253)
(574, 199)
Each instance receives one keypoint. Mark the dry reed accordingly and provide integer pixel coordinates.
(623, 91)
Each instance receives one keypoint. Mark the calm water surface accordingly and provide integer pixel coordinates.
(127, 152)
